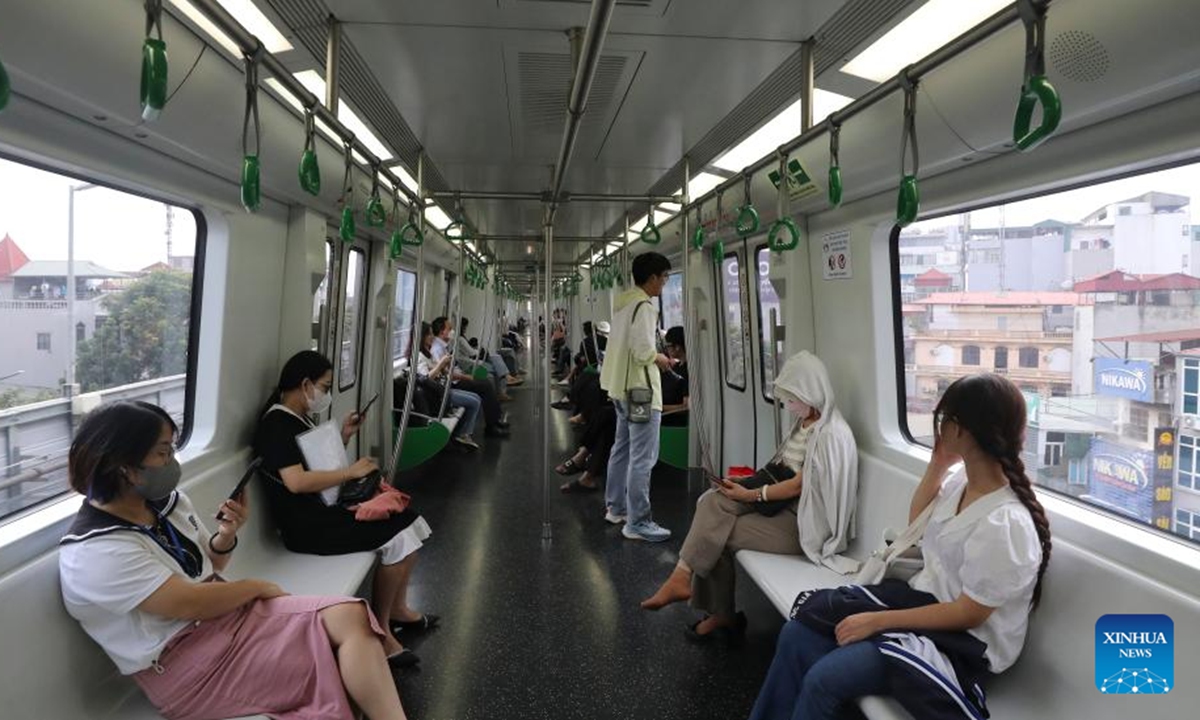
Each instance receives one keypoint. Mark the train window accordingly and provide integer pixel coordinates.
(767, 301)
(735, 334)
(403, 318)
(320, 316)
(671, 302)
(84, 314)
(352, 317)
(1087, 301)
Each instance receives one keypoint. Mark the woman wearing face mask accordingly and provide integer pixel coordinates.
(802, 502)
(308, 525)
(138, 571)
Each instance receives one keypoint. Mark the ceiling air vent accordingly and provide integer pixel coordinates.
(1079, 56)
(545, 80)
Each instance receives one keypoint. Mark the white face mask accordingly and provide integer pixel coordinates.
(797, 408)
(319, 402)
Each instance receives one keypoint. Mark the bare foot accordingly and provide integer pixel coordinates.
(713, 623)
(677, 588)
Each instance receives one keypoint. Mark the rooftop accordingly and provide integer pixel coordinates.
(58, 269)
(1007, 299)
(1162, 336)
(1121, 281)
(11, 256)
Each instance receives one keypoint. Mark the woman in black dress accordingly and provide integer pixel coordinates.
(308, 525)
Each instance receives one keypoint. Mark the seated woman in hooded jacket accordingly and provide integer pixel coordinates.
(801, 503)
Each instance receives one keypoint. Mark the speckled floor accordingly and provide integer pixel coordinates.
(553, 630)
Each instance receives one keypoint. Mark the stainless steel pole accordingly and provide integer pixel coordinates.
(333, 65)
(418, 313)
(548, 249)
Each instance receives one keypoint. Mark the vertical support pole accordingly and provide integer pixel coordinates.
(684, 217)
(418, 313)
(333, 62)
(807, 69)
(69, 390)
(775, 404)
(547, 365)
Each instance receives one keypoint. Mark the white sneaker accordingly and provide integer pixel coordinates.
(646, 531)
(612, 518)
(466, 441)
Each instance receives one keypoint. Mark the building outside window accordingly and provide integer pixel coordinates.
(1028, 357)
(970, 355)
(1191, 386)
(1187, 524)
(1001, 362)
(1189, 462)
(43, 341)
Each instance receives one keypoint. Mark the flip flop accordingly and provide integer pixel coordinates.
(404, 659)
(426, 623)
(577, 487)
(570, 467)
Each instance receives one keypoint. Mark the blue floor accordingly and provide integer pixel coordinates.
(536, 629)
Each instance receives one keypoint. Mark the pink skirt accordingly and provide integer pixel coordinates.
(271, 657)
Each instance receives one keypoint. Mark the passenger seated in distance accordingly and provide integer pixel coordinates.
(308, 525)
(468, 401)
(802, 502)
(469, 356)
(497, 426)
(139, 568)
(964, 615)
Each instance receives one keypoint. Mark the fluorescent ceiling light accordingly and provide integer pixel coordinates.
(315, 84)
(702, 183)
(936, 23)
(405, 177)
(248, 15)
(777, 131)
(670, 208)
(437, 218)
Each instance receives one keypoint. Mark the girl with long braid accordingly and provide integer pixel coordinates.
(931, 640)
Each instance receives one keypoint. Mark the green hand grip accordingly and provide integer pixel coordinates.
(576, 277)
(455, 231)
(1037, 89)
(747, 220)
(718, 252)
(774, 241)
(650, 234)
(154, 78)
(411, 235)
(835, 185)
(376, 215)
(908, 203)
(5, 87)
(310, 173)
(397, 246)
(251, 186)
(698, 238)
(346, 230)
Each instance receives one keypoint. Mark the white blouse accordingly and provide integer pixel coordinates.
(991, 552)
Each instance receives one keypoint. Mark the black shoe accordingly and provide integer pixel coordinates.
(561, 405)
(404, 659)
(503, 424)
(496, 432)
(426, 623)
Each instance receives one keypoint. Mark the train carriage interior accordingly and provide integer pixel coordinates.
(452, 205)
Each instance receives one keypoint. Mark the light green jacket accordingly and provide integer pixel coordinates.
(631, 348)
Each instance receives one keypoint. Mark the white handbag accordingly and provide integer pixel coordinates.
(898, 556)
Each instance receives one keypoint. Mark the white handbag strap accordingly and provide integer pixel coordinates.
(912, 534)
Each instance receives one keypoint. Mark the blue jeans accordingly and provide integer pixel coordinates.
(812, 678)
(470, 403)
(633, 455)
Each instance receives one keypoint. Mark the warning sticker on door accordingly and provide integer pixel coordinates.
(800, 185)
(835, 256)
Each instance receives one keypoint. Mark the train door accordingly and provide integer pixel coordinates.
(348, 333)
(767, 351)
(738, 411)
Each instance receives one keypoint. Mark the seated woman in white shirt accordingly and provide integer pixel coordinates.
(468, 401)
(138, 571)
(964, 616)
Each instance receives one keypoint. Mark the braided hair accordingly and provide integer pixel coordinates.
(992, 409)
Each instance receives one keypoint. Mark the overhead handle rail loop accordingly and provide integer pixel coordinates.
(835, 165)
(346, 229)
(718, 247)
(376, 215)
(747, 217)
(908, 201)
(650, 233)
(154, 66)
(456, 231)
(698, 235)
(396, 246)
(783, 221)
(1035, 88)
(310, 170)
(251, 168)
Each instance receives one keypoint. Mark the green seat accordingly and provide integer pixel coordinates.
(480, 373)
(673, 446)
(422, 443)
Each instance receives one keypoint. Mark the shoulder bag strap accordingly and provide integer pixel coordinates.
(629, 349)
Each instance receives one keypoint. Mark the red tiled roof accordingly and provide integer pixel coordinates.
(1163, 336)
(1121, 281)
(932, 277)
(1022, 298)
(11, 256)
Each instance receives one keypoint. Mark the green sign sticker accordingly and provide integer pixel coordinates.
(800, 185)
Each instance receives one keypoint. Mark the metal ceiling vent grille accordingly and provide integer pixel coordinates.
(1079, 56)
(546, 80)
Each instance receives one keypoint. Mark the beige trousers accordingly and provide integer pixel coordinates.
(720, 528)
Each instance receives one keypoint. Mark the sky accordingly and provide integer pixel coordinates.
(1074, 205)
(113, 229)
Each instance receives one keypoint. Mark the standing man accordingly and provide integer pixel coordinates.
(629, 363)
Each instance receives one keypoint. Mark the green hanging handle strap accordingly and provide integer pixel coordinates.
(784, 216)
(310, 170)
(698, 235)
(718, 248)
(835, 166)
(251, 169)
(154, 65)
(650, 234)
(1035, 88)
(908, 201)
(376, 215)
(747, 218)
(347, 229)
(396, 245)
(412, 234)
(5, 88)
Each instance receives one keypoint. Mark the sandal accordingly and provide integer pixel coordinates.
(726, 633)
(404, 659)
(426, 623)
(575, 486)
(570, 467)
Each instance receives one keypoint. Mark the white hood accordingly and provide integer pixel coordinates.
(829, 496)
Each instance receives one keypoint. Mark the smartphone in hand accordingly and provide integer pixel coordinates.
(363, 411)
(241, 486)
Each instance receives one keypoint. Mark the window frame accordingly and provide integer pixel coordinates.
(360, 321)
(1189, 366)
(416, 323)
(762, 326)
(1193, 449)
(720, 282)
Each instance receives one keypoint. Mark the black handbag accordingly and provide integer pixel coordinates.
(771, 474)
(356, 492)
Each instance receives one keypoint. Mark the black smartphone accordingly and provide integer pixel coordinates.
(241, 486)
(362, 413)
